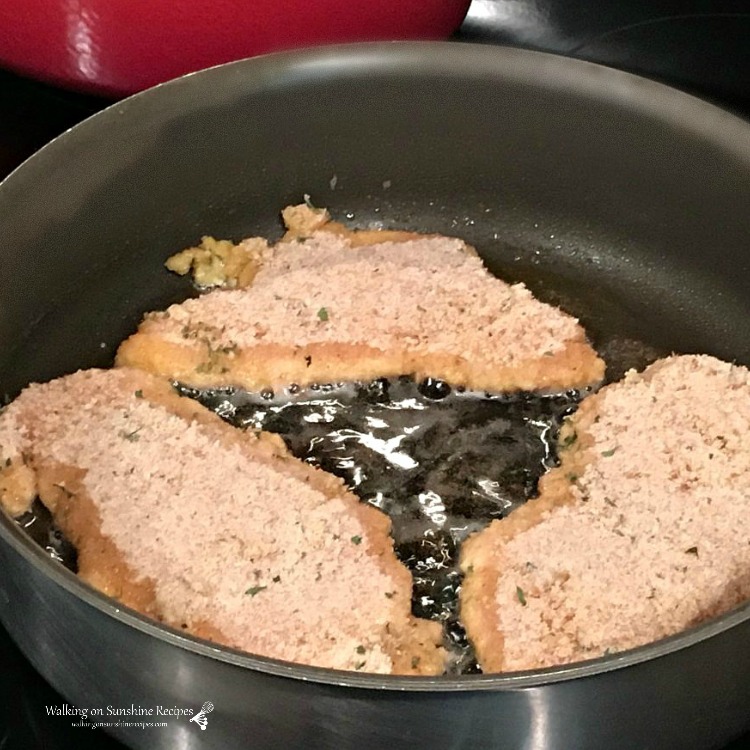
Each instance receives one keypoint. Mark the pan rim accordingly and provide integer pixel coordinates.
(548, 71)
(513, 63)
(90, 596)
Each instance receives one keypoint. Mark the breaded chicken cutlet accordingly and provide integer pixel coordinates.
(210, 529)
(327, 304)
(640, 533)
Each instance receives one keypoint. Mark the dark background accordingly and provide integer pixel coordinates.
(700, 47)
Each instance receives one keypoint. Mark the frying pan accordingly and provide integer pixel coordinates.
(621, 199)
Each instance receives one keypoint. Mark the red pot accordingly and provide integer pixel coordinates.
(116, 47)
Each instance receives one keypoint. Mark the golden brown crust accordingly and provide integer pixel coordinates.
(357, 237)
(425, 655)
(17, 486)
(477, 596)
(272, 365)
(481, 554)
(303, 220)
(100, 563)
(200, 359)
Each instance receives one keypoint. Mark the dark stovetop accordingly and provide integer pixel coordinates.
(700, 46)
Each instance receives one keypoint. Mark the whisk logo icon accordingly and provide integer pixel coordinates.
(201, 717)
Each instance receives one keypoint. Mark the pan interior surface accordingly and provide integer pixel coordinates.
(618, 199)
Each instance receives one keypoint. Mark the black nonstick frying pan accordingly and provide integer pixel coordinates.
(620, 199)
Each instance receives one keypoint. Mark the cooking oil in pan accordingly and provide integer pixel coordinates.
(38, 523)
